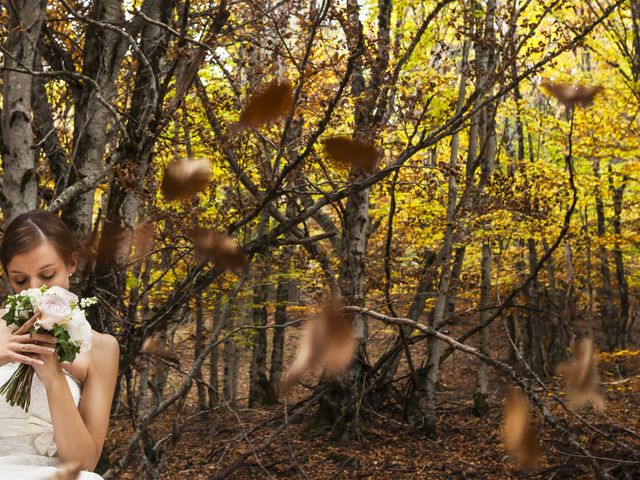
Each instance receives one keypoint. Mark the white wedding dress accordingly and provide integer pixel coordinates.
(27, 448)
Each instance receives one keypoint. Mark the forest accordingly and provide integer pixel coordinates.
(344, 238)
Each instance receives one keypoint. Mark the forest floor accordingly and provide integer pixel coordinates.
(467, 446)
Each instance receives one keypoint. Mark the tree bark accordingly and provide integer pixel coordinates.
(607, 312)
(623, 286)
(259, 385)
(124, 200)
(103, 53)
(18, 190)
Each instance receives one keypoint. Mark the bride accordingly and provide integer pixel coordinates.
(68, 418)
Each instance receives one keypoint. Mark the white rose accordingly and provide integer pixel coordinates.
(34, 295)
(70, 297)
(79, 330)
(53, 309)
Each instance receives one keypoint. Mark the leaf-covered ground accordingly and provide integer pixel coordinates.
(467, 446)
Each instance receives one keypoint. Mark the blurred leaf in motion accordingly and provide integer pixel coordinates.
(143, 237)
(347, 151)
(581, 376)
(185, 178)
(571, 94)
(219, 248)
(328, 343)
(519, 436)
(154, 345)
(272, 102)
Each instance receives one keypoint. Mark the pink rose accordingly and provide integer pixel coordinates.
(53, 309)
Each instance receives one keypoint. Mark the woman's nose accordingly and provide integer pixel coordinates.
(35, 283)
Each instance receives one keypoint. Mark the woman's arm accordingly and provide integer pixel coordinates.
(80, 432)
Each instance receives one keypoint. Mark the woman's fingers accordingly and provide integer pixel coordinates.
(35, 337)
(31, 348)
(34, 362)
(27, 325)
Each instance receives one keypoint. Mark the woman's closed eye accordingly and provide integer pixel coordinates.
(46, 277)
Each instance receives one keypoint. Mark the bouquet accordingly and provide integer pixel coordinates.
(61, 315)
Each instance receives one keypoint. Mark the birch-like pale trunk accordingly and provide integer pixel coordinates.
(480, 401)
(487, 135)
(424, 400)
(339, 406)
(19, 184)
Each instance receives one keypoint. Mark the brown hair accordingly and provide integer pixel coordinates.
(30, 229)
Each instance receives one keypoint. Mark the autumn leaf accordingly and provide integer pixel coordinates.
(272, 102)
(581, 376)
(219, 248)
(143, 237)
(154, 345)
(328, 343)
(519, 436)
(184, 178)
(571, 94)
(347, 151)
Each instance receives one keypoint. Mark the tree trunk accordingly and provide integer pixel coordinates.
(199, 342)
(487, 162)
(535, 321)
(282, 300)
(104, 51)
(230, 357)
(18, 190)
(607, 309)
(214, 396)
(481, 404)
(124, 200)
(259, 385)
(623, 287)
(339, 406)
(421, 404)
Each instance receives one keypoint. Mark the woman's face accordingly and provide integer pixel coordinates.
(40, 265)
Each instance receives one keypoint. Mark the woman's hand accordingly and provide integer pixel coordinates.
(24, 347)
(50, 371)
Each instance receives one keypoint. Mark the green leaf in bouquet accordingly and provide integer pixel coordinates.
(9, 317)
(64, 348)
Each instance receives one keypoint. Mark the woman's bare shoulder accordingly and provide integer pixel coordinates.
(105, 347)
(104, 341)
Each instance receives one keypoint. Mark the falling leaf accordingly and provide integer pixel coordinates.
(156, 346)
(581, 376)
(184, 178)
(519, 436)
(272, 102)
(328, 342)
(143, 236)
(219, 248)
(347, 151)
(67, 471)
(571, 94)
